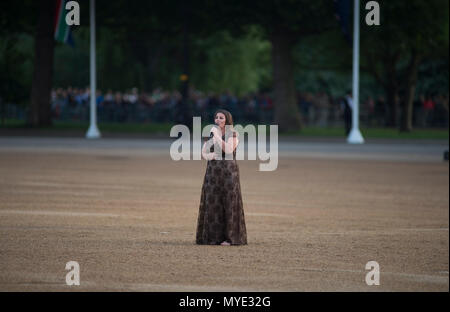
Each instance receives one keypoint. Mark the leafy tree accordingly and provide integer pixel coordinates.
(15, 19)
(410, 32)
(40, 107)
(222, 63)
(284, 23)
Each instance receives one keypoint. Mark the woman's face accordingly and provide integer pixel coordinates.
(220, 120)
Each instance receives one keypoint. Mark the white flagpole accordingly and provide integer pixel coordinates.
(93, 132)
(355, 136)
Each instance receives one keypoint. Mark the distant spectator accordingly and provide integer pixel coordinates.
(369, 108)
(323, 105)
(418, 111)
(428, 106)
(347, 107)
(380, 112)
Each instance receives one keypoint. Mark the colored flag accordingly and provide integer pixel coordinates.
(63, 32)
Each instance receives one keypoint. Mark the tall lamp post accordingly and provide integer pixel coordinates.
(93, 132)
(355, 136)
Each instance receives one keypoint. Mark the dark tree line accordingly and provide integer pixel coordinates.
(411, 32)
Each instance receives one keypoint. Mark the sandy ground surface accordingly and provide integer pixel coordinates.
(127, 214)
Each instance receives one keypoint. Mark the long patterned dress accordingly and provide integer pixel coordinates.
(221, 214)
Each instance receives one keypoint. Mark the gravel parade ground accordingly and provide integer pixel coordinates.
(127, 213)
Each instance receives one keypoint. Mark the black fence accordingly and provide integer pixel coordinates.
(256, 109)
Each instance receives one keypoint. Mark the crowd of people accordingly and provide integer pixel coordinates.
(157, 106)
(317, 109)
(321, 110)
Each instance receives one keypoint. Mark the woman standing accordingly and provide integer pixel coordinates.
(221, 214)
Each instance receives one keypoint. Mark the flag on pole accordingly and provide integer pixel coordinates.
(63, 31)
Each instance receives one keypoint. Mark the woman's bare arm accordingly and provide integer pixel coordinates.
(230, 145)
(207, 155)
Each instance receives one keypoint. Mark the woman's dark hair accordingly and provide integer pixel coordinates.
(228, 117)
(228, 121)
